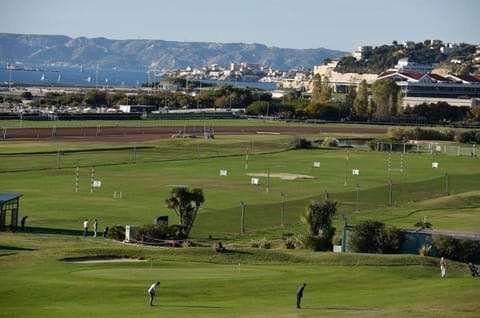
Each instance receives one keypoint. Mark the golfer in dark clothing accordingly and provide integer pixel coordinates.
(300, 294)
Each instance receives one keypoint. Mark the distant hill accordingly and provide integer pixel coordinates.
(50, 50)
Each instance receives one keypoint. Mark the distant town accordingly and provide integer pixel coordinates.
(347, 88)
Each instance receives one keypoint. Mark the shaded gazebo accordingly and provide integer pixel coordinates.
(9, 204)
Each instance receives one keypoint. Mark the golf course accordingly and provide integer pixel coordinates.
(256, 186)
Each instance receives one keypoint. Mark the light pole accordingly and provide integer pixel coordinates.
(390, 196)
(242, 222)
(346, 167)
(282, 216)
(358, 188)
(446, 184)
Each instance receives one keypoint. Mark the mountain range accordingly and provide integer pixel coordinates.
(59, 50)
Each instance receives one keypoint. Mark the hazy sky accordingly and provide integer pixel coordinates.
(333, 24)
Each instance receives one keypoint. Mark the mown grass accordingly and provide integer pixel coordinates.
(245, 282)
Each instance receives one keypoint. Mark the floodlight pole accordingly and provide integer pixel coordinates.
(346, 167)
(282, 217)
(390, 196)
(446, 184)
(358, 188)
(268, 179)
(242, 222)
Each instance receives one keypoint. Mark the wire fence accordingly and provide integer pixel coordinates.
(16, 162)
(430, 148)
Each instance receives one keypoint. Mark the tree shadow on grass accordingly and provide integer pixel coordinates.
(48, 230)
(12, 250)
(16, 248)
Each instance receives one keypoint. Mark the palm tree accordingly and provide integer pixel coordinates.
(186, 204)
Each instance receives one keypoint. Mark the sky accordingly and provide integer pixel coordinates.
(299, 24)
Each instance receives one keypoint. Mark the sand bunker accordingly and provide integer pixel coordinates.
(102, 259)
(283, 176)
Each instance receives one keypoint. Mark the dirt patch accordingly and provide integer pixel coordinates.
(102, 259)
(283, 176)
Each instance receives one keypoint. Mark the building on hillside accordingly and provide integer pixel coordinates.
(407, 66)
(416, 88)
(360, 53)
(409, 44)
(341, 82)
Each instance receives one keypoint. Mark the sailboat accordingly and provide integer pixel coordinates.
(81, 68)
(43, 77)
(59, 77)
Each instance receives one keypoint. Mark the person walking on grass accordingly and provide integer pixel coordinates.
(300, 294)
(152, 290)
(85, 227)
(443, 267)
(95, 228)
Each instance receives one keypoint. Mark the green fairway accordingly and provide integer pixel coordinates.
(198, 282)
(245, 281)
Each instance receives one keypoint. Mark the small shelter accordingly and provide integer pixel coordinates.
(9, 204)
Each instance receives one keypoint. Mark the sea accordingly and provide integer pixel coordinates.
(79, 76)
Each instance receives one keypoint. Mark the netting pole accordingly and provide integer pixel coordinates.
(389, 161)
(77, 174)
(268, 180)
(401, 162)
(92, 179)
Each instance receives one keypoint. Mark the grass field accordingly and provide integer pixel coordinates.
(246, 282)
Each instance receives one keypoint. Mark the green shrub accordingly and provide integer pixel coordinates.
(364, 238)
(302, 143)
(152, 233)
(472, 136)
(464, 250)
(417, 133)
(289, 243)
(375, 237)
(117, 232)
(391, 240)
(176, 232)
(314, 243)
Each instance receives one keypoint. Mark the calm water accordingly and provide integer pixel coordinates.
(100, 78)
(74, 76)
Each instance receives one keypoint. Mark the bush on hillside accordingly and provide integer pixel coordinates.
(152, 233)
(117, 232)
(466, 137)
(464, 250)
(375, 237)
(302, 143)
(417, 133)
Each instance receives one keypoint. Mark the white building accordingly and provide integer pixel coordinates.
(406, 66)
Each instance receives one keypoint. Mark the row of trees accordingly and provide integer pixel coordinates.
(380, 101)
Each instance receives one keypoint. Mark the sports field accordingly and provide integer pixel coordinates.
(245, 282)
